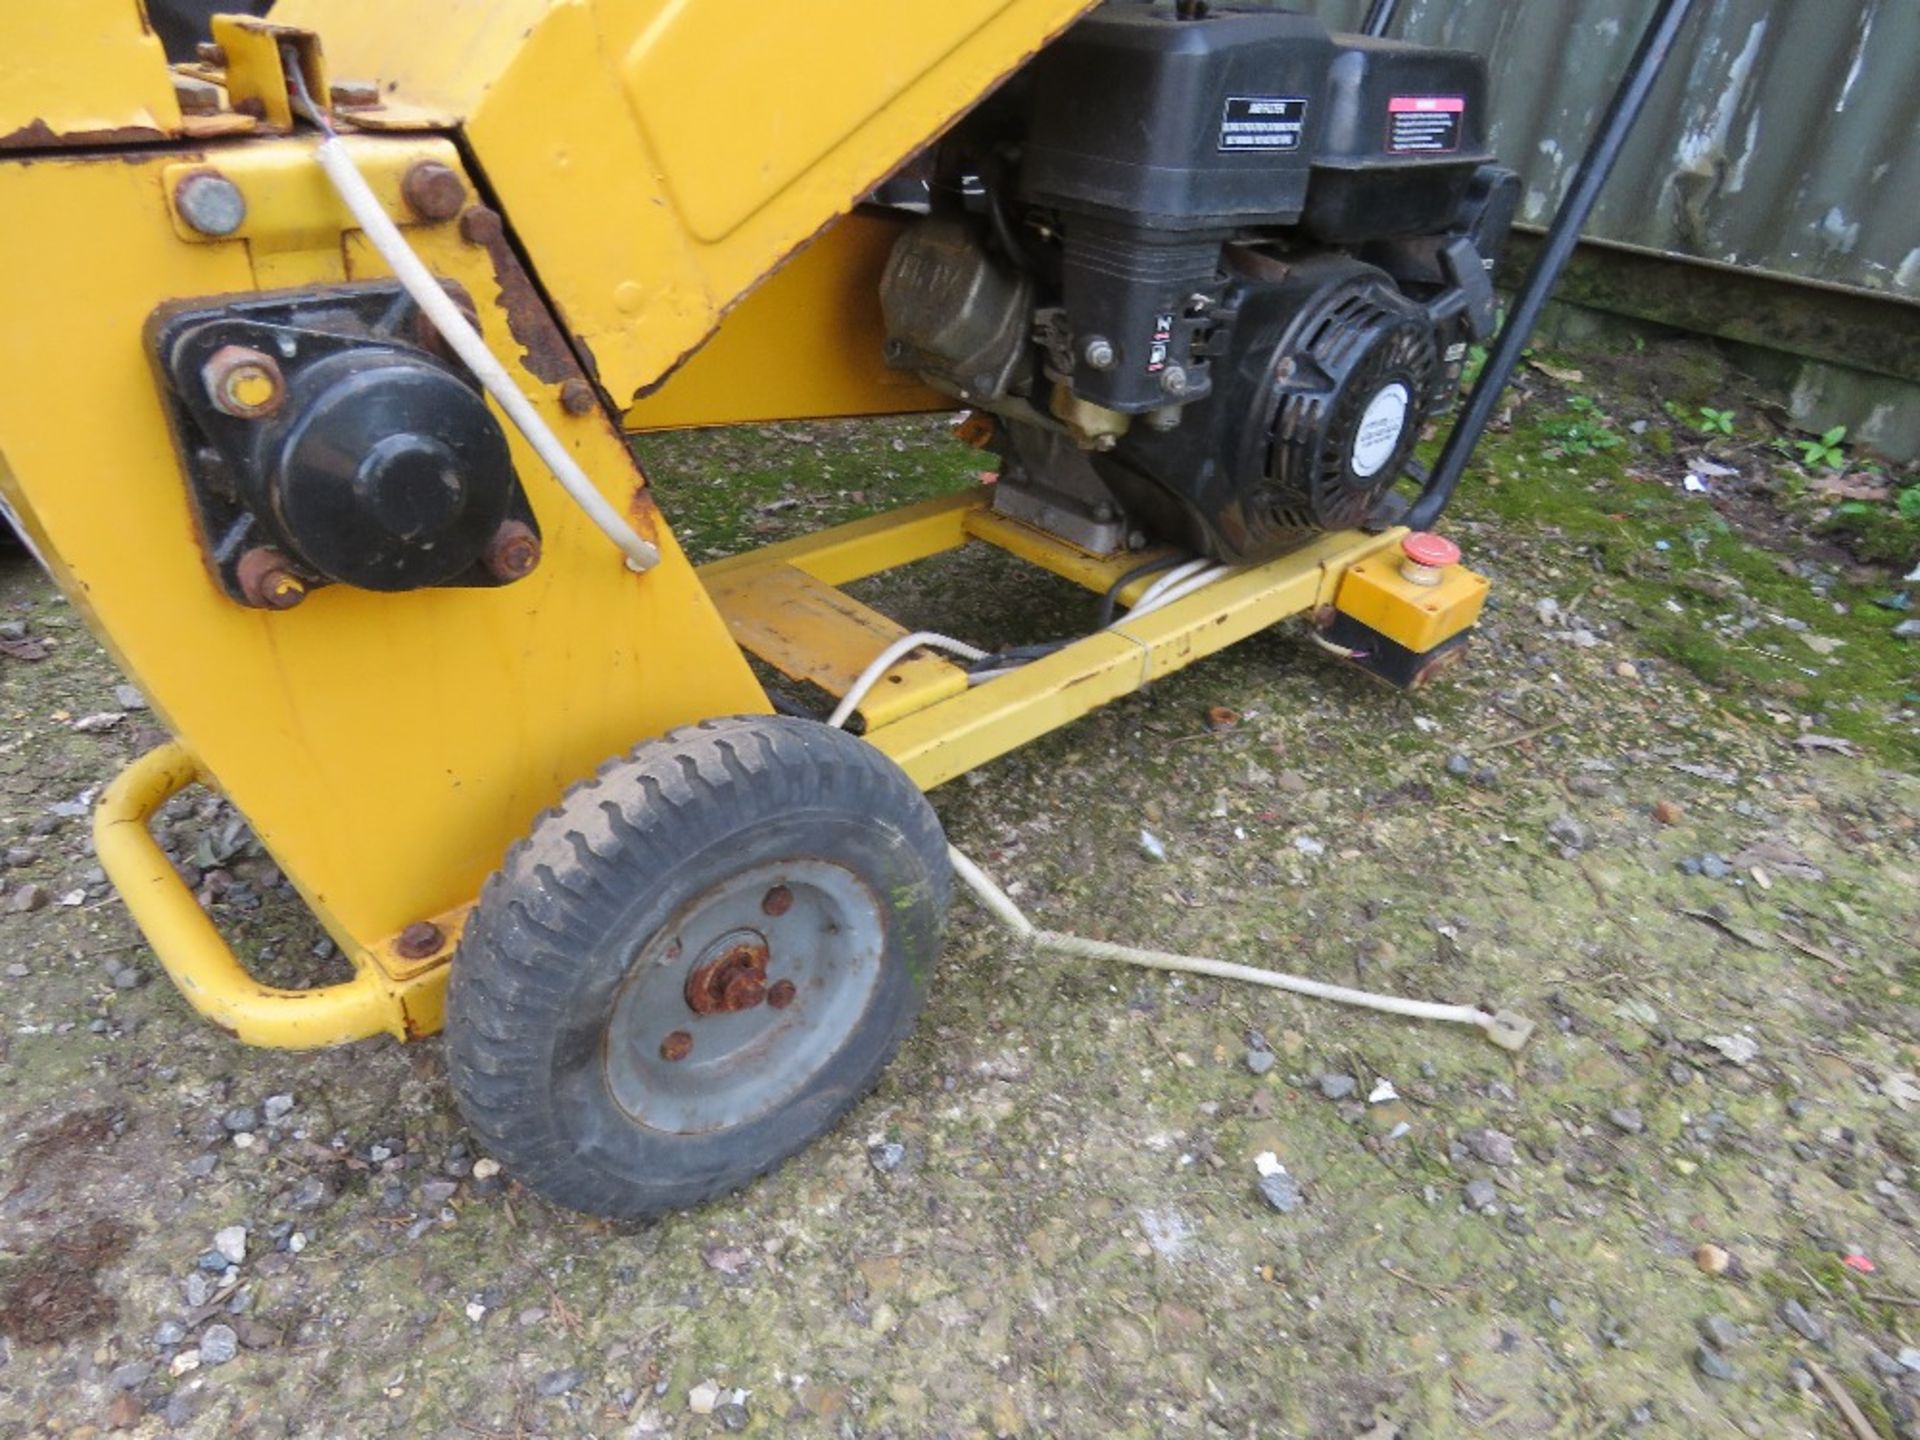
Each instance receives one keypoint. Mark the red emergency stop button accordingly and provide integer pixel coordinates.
(1427, 555)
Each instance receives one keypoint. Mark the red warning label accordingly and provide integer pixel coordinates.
(1424, 124)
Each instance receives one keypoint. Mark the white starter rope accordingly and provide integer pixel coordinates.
(419, 283)
(1506, 1029)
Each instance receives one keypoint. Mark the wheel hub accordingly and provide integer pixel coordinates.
(735, 979)
(749, 990)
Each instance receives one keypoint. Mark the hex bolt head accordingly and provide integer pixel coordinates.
(210, 203)
(243, 382)
(267, 579)
(419, 940)
(1173, 380)
(433, 191)
(1099, 353)
(576, 397)
(676, 1046)
(209, 53)
(776, 901)
(196, 96)
(780, 994)
(354, 95)
(513, 553)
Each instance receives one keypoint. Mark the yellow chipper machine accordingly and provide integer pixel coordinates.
(322, 358)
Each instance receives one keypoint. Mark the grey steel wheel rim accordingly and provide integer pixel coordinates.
(682, 1070)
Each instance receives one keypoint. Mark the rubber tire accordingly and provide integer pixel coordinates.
(547, 947)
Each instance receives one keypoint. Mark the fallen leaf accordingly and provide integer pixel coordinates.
(1826, 742)
(1555, 372)
(1755, 938)
(1848, 487)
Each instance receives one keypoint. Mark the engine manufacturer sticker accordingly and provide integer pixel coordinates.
(1381, 427)
(1263, 124)
(1424, 124)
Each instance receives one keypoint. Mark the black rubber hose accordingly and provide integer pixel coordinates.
(1656, 44)
(1379, 18)
(1104, 616)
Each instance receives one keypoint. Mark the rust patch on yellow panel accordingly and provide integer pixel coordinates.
(545, 353)
(39, 135)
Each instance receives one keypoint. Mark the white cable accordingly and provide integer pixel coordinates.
(1180, 591)
(418, 282)
(1505, 1029)
(887, 659)
(1165, 581)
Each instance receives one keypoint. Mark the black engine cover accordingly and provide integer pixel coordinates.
(1330, 376)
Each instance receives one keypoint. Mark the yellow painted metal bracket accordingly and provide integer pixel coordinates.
(387, 995)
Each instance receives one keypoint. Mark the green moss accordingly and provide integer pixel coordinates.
(1733, 614)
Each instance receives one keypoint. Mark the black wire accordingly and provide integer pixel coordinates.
(1104, 617)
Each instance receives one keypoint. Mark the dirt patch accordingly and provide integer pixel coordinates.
(54, 1294)
(81, 1130)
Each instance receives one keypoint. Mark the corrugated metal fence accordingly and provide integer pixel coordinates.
(1785, 135)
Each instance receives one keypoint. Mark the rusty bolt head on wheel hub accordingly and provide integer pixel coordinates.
(676, 1046)
(267, 579)
(419, 940)
(734, 980)
(777, 901)
(513, 553)
(780, 994)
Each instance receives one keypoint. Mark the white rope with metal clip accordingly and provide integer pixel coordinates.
(1505, 1028)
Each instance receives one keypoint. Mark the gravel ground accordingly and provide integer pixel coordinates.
(1085, 1201)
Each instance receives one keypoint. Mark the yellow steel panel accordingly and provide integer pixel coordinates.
(946, 740)
(808, 342)
(866, 547)
(1069, 562)
(727, 140)
(387, 748)
(807, 630)
(546, 99)
(1416, 616)
(295, 207)
(256, 75)
(82, 72)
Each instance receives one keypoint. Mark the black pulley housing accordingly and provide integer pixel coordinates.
(382, 470)
(328, 437)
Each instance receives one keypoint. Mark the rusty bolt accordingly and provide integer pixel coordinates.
(480, 226)
(242, 382)
(433, 191)
(196, 97)
(419, 940)
(777, 901)
(576, 397)
(780, 995)
(354, 95)
(268, 580)
(513, 552)
(210, 203)
(211, 54)
(676, 1046)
